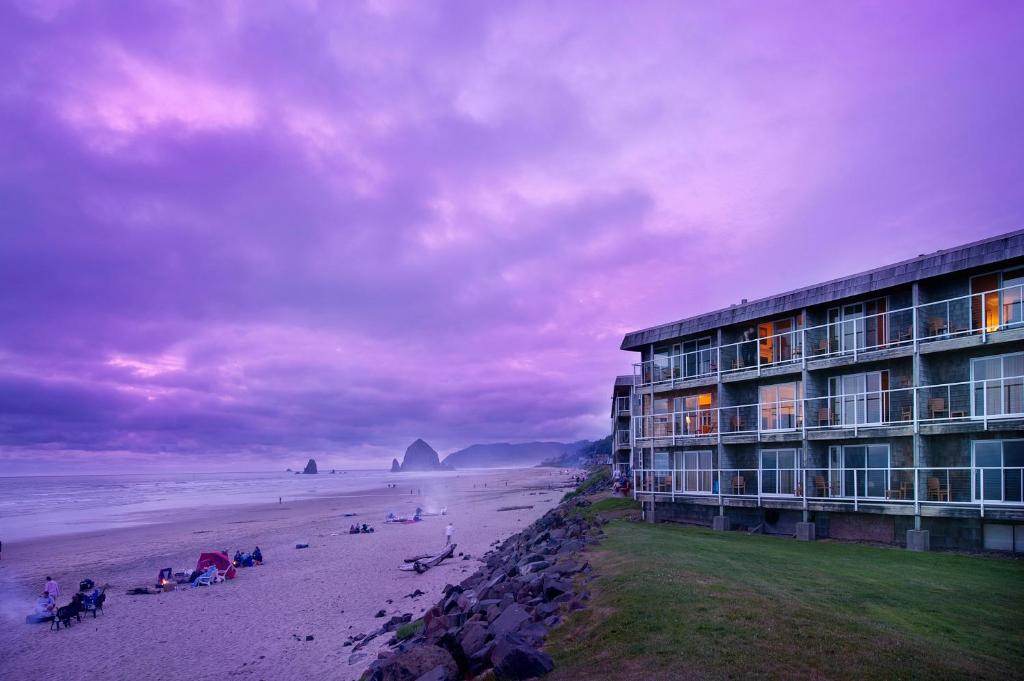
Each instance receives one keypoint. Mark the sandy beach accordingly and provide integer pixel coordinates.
(255, 626)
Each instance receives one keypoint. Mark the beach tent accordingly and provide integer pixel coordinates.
(220, 560)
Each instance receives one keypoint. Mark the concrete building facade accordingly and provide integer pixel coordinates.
(884, 406)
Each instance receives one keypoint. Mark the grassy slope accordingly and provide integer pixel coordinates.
(674, 602)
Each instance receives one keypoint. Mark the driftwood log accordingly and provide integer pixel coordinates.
(422, 565)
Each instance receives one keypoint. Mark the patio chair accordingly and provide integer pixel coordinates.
(936, 326)
(737, 423)
(739, 485)
(937, 405)
(824, 416)
(825, 488)
(936, 492)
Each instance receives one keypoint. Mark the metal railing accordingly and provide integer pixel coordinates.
(981, 400)
(978, 313)
(622, 406)
(969, 486)
(621, 439)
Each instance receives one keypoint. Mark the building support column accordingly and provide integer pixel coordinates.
(804, 382)
(916, 381)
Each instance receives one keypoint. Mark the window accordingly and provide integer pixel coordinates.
(778, 341)
(695, 415)
(858, 326)
(778, 471)
(998, 466)
(695, 472)
(858, 399)
(996, 300)
(997, 385)
(781, 406)
(696, 359)
(862, 470)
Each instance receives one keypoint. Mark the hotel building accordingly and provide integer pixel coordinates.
(884, 406)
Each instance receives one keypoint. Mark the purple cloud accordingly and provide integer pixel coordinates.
(266, 230)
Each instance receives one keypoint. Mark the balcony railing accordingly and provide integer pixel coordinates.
(971, 486)
(622, 439)
(980, 401)
(622, 406)
(975, 314)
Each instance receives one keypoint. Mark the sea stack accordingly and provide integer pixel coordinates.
(310, 468)
(421, 457)
(395, 466)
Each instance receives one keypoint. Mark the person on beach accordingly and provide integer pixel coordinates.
(45, 605)
(449, 532)
(52, 588)
(257, 556)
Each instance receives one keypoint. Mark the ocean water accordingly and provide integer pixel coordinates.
(53, 505)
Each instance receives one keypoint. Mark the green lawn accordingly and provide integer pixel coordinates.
(673, 602)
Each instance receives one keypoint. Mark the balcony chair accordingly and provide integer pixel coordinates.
(822, 347)
(736, 423)
(739, 485)
(902, 492)
(936, 492)
(936, 326)
(937, 405)
(820, 486)
(907, 414)
(825, 417)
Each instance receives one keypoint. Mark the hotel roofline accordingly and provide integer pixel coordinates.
(944, 261)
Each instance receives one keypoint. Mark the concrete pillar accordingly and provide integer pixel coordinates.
(650, 512)
(805, 531)
(721, 523)
(918, 540)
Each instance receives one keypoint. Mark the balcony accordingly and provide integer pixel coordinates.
(978, 404)
(622, 406)
(622, 439)
(978, 315)
(979, 487)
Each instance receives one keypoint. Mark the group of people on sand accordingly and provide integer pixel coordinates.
(247, 559)
(87, 597)
(360, 529)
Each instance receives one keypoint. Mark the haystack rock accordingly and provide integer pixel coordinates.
(395, 466)
(310, 468)
(421, 457)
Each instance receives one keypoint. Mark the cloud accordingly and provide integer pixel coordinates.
(265, 230)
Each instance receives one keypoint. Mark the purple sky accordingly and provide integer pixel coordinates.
(274, 230)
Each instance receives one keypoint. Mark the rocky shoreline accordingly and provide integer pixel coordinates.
(493, 624)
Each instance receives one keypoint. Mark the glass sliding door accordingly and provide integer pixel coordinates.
(778, 471)
(860, 399)
(858, 326)
(696, 359)
(781, 406)
(997, 386)
(777, 341)
(865, 470)
(697, 472)
(998, 469)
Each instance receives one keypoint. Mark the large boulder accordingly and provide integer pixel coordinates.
(510, 619)
(414, 663)
(395, 466)
(310, 468)
(514, 658)
(421, 457)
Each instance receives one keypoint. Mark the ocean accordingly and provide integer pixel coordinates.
(35, 506)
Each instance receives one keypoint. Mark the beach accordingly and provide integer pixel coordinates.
(256, 626)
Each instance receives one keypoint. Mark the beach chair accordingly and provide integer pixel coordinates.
(207, 578)
(94, 603)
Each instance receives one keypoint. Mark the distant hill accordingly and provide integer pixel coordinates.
(588, 453)
(508, 455)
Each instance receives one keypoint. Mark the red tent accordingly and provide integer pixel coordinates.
(219, 559)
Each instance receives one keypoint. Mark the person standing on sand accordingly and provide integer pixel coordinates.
(52, 588)
(449, 532)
